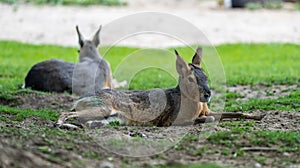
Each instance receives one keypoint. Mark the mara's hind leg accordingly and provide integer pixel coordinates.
(86, 109)
(83, 116)
(63, 117)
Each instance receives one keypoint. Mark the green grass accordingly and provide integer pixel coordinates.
(68, 2)
(191, 166)
(15, 65)
(253, 6)
(281, 140)
(260, 63)
(268, 5)
(287, 103)
(243, 63)
(21, 114)
(240, 134)
(273, 5)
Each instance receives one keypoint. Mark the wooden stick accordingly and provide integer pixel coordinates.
(254, 149)
(222, 115)
(236, 115)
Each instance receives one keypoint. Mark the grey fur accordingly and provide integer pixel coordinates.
(90, 74)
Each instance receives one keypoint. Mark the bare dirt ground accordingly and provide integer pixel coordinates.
(56, 24)
(261, 91)
(41, 148)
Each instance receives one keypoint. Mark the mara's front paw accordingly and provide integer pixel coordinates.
(204, 119)
(206, 112)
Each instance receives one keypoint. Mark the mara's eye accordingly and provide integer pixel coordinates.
(190, 79)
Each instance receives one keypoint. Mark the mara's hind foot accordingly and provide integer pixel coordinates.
(63, 117)
(67, 126)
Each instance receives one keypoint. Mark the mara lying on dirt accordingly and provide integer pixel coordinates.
(90, 74)
(182, 105)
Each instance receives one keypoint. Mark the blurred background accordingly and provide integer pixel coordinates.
(222, 21)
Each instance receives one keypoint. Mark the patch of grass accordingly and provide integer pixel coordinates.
(21, 114)
(233, 95)
(178, 146)
(68, 2)
(298, 5)
(271, 4)
(284, 141)
(92, 155)
(158, 78)
(6, 97)
(191, 137)
(204, 165)
(114, 123)
(238, 126)
(225, 151)
(271, 63)
(201, 151)
(18, 58)
(253, 6)
(287, 103)
(287, 141)
(243, 63)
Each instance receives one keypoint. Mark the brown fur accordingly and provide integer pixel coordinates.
(176, 106)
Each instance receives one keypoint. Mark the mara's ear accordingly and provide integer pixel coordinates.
(181, 66)
(96, 39)
(80, 37)
(197, 57)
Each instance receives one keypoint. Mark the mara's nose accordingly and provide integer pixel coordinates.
(207, 94)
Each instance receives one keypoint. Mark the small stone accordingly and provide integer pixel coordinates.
(286, 154)
(106, 165)
(258, 165)
(210, 119)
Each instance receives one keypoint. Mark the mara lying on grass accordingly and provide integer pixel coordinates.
(184, 104)
(90, 74)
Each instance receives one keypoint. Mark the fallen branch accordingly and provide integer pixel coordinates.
(255, 149)
(213, 116)
(236, 115)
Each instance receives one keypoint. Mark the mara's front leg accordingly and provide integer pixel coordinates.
(203, 113)
(205, 109)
